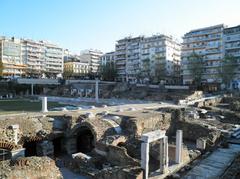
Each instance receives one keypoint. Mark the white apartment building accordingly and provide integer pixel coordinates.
(42, 58)
(107, 58)
(121, 58)
(53, 59)
(10, 57)
(164, 51)
(93, 58)
(208, 43)
(143, 56)
(232, 48)
(133, 58)
(33, 55)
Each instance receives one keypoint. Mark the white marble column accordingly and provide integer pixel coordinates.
(15, 129)
(163, 154)
(145, 158)
(179, 146)
(44, 104)
(96, 90)
(32, 89)
(166, 160)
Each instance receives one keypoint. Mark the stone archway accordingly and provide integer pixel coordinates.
(85, 140)
(30, 148)
(58, 146)
(75, 141)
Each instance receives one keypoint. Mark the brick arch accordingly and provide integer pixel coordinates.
(4, 144)
(24, 139)
(33, 139)
(82, 125)
(99, 128)
(21, 162)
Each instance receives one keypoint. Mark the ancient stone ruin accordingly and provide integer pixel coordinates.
(139, 143)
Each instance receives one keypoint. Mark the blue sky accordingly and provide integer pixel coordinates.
(97, 24)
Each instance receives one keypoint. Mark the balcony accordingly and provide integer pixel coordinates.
(120, 58)
(190, 40)
(121, 62)
(232, 46)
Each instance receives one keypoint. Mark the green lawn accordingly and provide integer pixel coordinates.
(23, 105)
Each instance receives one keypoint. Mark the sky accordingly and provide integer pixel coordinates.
(97, 24)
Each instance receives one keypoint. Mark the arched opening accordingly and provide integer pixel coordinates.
(4, 154)
(58, 146)
(121, 144)
(85, 140)
(30, 148)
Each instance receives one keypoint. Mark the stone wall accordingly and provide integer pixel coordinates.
(45, 148)
(193, 131)
(172, 153)
(126, 172)
(195, 95)
(118, 156)
(155, 148)
(30, 128)
(147, 122)
(30, 167)
(209, 102)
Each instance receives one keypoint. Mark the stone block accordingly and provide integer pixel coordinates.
(153, 136)
(18, 153)
(201, 144)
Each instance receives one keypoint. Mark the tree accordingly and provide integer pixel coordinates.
(160, 72)
(144, 71)
(226, 70)
(68, 73)
(108, 71)
(1, 68)
(196, 68)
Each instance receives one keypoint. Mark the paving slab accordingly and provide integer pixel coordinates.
(214, 165)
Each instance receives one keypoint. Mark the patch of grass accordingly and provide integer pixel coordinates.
(24, 105)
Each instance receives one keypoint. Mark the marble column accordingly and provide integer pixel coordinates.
(32, 90)
(96, 90)
(145, 158)
(44, 104)
(179, 146)
(163, 154)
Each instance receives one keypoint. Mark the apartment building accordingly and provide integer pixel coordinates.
(208, 43)
(133, 57)
(121, 58)
(33, 55)
(42, 57)
(93, 58)
(162, 55)
(10, 57)
(107, 58)
(156, 58)
(74, 67)
(53, 59)
(232, 48)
